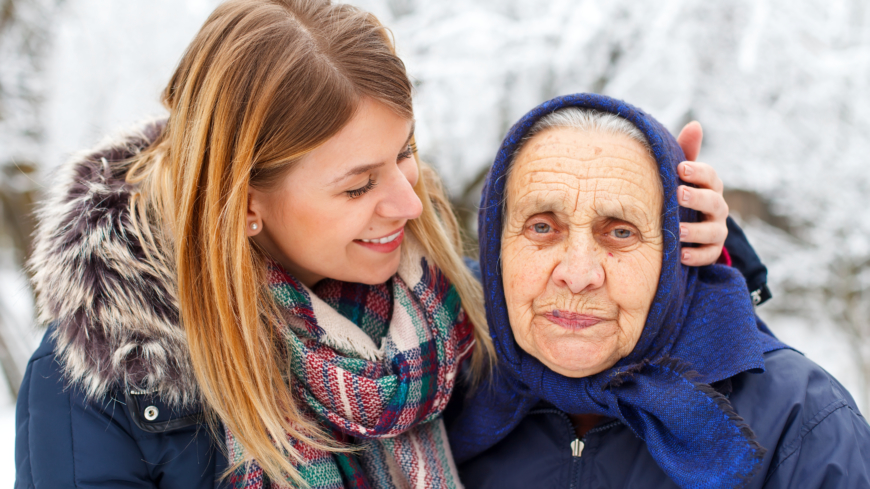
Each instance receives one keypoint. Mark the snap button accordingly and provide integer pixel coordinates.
(151, 413)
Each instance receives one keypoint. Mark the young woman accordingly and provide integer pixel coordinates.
(266, 289)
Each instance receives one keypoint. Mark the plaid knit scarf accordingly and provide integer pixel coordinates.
(385, 398)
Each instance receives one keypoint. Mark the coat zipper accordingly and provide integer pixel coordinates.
(578, 444)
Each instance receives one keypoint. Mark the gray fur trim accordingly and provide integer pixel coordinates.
(116, 317)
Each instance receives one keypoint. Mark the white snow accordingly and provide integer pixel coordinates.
(16, 308)
(7, 445)
(779, 85)
(110, 62)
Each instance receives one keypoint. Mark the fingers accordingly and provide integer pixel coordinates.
(710, 233)
(700, 174)
(690, 140)
(708, 202)
(703, 233)
(707, 199)
(701, 256)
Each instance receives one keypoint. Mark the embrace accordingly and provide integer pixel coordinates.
(267, 289)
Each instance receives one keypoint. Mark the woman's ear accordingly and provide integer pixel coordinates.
(254, 218)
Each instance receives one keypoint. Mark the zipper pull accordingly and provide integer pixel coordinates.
(577, 447)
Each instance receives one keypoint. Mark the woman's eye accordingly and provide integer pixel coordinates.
(621, 233)
(542, 228)
(358, 192)
(409, 152)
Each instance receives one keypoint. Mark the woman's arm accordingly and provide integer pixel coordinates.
(743, 257)
(717, 230)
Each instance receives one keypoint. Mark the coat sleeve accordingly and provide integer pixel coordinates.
(746, 260)
(63, 441)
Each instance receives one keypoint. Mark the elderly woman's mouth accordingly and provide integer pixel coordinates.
(572, 320)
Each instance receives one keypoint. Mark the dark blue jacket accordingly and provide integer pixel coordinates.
(814, 435)
(63, 441)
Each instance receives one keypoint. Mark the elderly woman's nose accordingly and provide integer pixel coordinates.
(579, 269)
(399, 200)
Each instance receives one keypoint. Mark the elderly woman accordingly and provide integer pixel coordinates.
(620, 367)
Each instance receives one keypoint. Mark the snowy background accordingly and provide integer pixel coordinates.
(782, 88)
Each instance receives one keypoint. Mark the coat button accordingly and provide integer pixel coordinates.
(151, 413)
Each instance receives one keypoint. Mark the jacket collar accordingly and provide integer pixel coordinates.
(115, 317)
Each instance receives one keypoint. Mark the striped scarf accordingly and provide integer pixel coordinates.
(383, 395)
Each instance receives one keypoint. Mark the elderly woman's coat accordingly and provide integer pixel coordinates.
(707, 398)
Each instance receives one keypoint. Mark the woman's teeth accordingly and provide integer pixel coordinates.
(383, 240)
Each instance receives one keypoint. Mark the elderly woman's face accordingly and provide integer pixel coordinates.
(581, 248)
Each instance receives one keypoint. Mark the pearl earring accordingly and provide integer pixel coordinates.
(254, 226)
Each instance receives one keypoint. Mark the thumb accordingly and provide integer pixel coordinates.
(690, 140)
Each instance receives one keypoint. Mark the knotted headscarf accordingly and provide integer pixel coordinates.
(701, 329)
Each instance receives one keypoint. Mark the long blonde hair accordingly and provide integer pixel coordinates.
(263, 83)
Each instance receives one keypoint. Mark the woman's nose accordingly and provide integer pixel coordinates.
(580, 268)
(400, 201)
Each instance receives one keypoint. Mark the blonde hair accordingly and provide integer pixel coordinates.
(263, 83)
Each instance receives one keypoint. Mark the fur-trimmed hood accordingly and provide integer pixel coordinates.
(115, 316)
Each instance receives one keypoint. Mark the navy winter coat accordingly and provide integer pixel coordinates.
(814, 434)
(63, 441)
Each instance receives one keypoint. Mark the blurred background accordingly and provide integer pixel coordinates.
(782, 88)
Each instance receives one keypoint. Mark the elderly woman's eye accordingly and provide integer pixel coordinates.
(621, 233)
(542, 228)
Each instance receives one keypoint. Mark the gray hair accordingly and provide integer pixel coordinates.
(587, 120)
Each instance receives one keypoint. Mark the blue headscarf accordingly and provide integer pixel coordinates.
(701, 329)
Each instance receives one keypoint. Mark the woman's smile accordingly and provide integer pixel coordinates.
(360, 181)
(385, 244)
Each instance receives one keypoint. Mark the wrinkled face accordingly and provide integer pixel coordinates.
(341, 211)
(581, 248)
